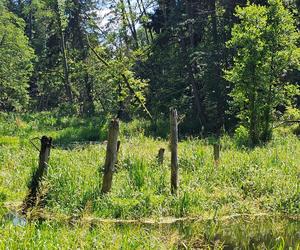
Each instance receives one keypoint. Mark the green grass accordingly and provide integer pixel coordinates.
(260, 180)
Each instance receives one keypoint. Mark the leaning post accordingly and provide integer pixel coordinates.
(30, 200)
(111, 155)
(174, 150)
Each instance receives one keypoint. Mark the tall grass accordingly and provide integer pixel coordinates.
(260, 180)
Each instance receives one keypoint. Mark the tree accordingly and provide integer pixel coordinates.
(16, 62)
(266, 48)
(59, 10)
(185, 66)
(116, 83)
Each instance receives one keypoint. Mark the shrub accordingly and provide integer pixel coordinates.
(241, 136)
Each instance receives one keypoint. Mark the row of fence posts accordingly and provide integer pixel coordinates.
(111, 159)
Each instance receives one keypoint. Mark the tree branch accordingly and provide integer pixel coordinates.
(124, 78)
(287, 121)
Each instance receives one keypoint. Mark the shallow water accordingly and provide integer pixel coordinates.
(246, 232)
(242, 233)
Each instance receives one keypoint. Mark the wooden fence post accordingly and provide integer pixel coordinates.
(160, 156)
(111, 155)
(30, 200)
(216, 153)
(174, 151)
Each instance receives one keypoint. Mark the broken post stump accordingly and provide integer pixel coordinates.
(217, 148)
(31, 198)
(111, 155)
(174, 150)
(160, 156)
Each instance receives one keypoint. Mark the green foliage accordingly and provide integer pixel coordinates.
(152, 57)
(291, 120)
(154, 54)
(61, 12)
(9, 140)
(241, 136)
(16, 62)
(111, 92)
(137, 172)
(266, 44)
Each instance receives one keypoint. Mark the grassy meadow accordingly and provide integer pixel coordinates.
(252, 198)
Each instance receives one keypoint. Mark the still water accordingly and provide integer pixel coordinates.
(241, 233)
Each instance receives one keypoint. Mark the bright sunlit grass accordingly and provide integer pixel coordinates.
(260, 180)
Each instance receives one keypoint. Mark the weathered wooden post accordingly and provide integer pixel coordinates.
(111, 155)
(174, 151)
(160, 156)
(30, 200)
(216, 153)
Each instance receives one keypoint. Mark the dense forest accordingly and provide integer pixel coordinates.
(221, 63)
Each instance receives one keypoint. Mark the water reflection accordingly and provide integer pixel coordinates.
(241, 233)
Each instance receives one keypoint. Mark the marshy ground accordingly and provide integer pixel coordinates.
(250, 200)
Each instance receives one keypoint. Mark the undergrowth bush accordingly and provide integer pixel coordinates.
(241, 136)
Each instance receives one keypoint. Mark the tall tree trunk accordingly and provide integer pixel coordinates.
(145, 13)
(30, 21)
(217, 70)
(66, 69)
(75, 24)
(142, 13)
(89, 107)
(124, 25)
(132, 24)
(64, 54)
(253, 131)
(193, 69)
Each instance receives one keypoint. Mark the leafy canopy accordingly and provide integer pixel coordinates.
(265, 41)
(16, 62)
